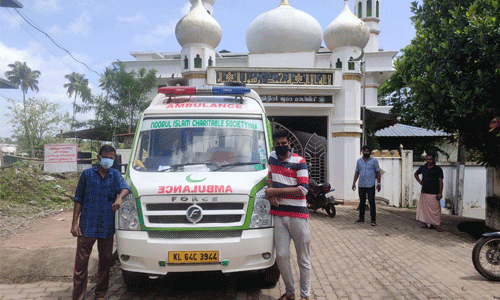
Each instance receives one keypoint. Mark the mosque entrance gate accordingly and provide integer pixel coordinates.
(313, 148)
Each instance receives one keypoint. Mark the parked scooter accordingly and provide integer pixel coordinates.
(486, 256)
(321, 196)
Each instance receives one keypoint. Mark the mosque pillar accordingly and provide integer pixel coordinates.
(344, 133)
(371, 90)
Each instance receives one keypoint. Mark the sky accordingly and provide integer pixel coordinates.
(98, 33)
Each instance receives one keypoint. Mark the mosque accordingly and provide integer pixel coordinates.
(317, 94)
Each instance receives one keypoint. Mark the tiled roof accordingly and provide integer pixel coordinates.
(401, 130)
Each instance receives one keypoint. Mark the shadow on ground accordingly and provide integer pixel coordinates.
(200, 286)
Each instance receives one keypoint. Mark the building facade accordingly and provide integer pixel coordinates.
(315, 93)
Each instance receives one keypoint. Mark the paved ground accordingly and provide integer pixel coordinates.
(394, 260)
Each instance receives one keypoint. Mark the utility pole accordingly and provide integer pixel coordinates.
(364, 103)
(362, 65)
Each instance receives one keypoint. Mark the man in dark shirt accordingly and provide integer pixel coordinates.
(99, 194)
(428, 206)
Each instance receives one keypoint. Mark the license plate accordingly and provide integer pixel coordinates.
(328, 195)
(193, 257)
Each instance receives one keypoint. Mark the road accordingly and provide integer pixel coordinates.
(394, 260)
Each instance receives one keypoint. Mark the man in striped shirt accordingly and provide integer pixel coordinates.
(288, 182)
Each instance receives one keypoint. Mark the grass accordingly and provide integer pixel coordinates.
(27, 190)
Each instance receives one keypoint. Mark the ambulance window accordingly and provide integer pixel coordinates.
(222, 145)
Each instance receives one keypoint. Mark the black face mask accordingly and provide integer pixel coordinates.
(366, 155)
(282, 150)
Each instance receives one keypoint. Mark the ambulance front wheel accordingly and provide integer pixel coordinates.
(270, 276)
(134, 279)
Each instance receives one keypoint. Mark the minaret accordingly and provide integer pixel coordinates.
(208, 4)
(346, 37)
(199, 34)
(369, 12)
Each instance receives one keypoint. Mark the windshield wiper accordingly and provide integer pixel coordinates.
(177, 166)
(237, 164)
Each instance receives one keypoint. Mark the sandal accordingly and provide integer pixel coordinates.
(286, 296)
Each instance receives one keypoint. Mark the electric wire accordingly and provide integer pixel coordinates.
(8, 98)
(54, 42)
(43, 44)
(53, 54)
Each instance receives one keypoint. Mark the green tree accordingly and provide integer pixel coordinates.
(46, 122)
(447, 78)
(6, 140)
(77, 86)
(126, 96)
(27, 79)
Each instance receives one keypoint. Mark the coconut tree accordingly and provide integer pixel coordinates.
(106, 80)
(27, 79)
(77, 86)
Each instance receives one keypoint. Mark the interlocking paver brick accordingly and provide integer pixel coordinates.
(394, 260)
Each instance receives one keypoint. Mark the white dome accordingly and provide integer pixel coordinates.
(346, 30)
(193, 2)
(284, 29)
(198, 27)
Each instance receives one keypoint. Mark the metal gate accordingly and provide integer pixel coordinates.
(315, 155)
(314, 150)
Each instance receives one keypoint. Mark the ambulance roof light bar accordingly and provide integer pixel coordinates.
(203, 90)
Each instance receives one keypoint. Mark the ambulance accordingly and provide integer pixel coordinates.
(198, 174)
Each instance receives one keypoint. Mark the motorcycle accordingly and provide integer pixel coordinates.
(486, 256)
(321, 196)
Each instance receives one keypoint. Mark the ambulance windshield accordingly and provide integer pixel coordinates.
(200, 144)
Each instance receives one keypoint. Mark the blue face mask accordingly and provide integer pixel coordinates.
(106, 163)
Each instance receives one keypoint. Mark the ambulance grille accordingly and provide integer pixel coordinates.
(206, 219)
(209, 234)
(219, 211)
(185, 206)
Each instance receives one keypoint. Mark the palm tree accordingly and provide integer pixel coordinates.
(106, 79)
(77, 85)
(23, 76)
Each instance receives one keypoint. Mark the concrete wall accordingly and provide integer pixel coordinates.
(400, 189)
(474, 204)
(390, 171)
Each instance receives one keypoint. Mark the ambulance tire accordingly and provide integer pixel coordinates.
(134, 279)
(270, 276)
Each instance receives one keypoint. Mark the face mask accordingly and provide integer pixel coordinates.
(106, 163)
(282, 150)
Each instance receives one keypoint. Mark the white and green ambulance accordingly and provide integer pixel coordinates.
(198, 170)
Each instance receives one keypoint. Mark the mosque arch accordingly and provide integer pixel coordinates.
(369, 8)
(186, 62)
(360, 9)
(210, 61)
(377, 9)
(197, 61)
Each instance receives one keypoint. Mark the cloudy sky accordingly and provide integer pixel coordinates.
(98, 33)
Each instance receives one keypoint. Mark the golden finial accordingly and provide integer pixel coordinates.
(285, 2)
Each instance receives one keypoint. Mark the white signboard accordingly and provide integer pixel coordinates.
(60, 158)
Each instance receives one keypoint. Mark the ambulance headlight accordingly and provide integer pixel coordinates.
(128, 219)
(260, 214)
